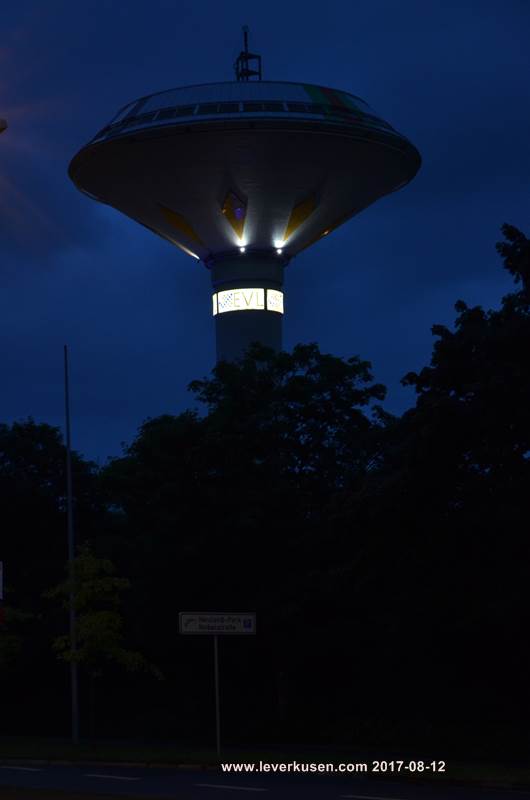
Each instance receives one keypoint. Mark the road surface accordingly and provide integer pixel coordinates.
(186, 784)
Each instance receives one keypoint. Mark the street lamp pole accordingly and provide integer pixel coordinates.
(71, 557)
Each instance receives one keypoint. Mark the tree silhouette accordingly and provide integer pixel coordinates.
(99, 621)
(386, 557)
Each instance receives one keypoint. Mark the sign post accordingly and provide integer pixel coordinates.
(217, 709)
(2, 611)
(211, 624)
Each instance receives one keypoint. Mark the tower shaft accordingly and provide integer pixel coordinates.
(247, 302)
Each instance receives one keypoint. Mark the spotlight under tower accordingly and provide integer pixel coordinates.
(243, 176)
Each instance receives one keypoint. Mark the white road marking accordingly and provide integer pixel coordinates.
(23, 769)
(226, 786)
(370, 797)
(114, 777)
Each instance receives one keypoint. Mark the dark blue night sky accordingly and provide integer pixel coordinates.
(135, 312)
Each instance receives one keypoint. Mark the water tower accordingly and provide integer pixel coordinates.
(242, 176)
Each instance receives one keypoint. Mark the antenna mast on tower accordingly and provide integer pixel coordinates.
(242, 65)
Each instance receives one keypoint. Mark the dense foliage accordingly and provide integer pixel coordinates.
(386, 557)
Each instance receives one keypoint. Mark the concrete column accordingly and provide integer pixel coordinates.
(238, 321)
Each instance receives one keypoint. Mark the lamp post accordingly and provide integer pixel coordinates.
(71, 557)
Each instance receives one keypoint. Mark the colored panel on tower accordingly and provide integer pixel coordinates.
(178, 222)
(234, 209)
(299, 214)
(327, 230)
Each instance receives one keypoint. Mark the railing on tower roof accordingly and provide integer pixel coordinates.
(246, 60)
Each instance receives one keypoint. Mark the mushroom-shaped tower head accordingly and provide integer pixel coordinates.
(243, 176)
